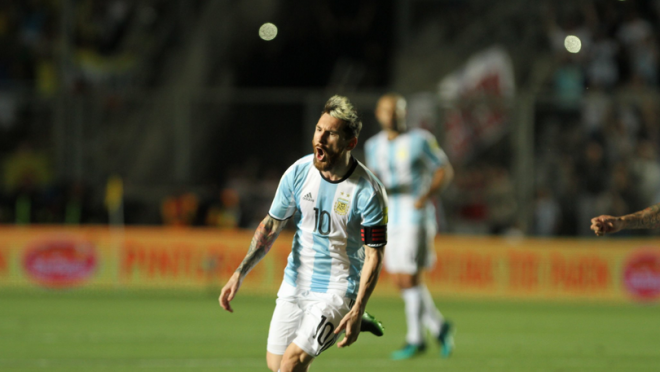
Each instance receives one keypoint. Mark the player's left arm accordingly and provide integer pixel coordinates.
(373, 209)
(351, 322)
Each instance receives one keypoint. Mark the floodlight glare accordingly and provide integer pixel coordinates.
(268, 31)
(572, 43)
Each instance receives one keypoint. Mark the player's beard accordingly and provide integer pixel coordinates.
(330, 159)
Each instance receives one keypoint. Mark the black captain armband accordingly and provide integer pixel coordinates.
(374, 236)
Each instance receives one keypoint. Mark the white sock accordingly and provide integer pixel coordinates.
(412, 297)
(431, 316)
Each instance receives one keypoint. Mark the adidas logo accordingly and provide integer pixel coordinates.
(308, 197)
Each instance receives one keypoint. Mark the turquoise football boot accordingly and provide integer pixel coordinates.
(446, 339)
(408, 351)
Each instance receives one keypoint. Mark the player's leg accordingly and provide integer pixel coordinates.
(322, 313)
(295, 359)
(400, 262)
(412, 299)
(432, 318)
(287, 317)
(274, 361)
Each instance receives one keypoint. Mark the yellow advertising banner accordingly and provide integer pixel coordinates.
(618, 270)
(587, 269)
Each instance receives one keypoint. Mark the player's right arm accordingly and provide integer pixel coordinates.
(264, 237)
(269, 229)
(648, 218)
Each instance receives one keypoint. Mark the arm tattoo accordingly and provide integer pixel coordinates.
(264, 237)
(648, 218)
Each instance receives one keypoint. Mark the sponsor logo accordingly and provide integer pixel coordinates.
(308, 197)
(60, 262)
(341, 207)
(641, 276)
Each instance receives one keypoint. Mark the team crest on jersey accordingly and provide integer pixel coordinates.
(341, 207)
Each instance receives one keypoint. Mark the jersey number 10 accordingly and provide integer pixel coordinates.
(322, 221)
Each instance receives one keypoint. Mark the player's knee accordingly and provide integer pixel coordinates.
(406, 281)
(291, 365)
(273, 362)
(295, 362)
(272, 366)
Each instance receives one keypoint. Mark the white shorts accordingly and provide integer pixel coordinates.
(307, 319)
(409, 248)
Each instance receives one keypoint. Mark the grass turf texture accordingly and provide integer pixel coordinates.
(78, 331)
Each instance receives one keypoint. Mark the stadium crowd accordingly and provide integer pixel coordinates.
(597, 136)
(597, 143)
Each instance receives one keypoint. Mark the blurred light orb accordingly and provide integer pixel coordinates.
(268, 31)
(572, 43)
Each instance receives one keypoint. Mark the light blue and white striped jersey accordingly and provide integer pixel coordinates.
(405, 165)
(327, 251)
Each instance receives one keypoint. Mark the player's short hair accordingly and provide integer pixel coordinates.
(340, 107)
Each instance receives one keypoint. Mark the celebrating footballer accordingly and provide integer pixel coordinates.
(340, 211)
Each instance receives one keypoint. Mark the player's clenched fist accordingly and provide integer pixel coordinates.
(602, 225)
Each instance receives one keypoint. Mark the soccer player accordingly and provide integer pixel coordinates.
(413, 168)
(648, 218)
(337, 249)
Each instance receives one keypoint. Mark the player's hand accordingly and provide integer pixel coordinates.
(602, 225)
(229, 292)
(351, 324)
(420, 203)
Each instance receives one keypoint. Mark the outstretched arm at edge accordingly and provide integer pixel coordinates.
(373, 262)
(648, 218)
(264, 237)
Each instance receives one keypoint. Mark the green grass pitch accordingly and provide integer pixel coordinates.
(82, 331)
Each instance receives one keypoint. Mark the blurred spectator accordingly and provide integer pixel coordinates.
(645, 170)
(501, 200)
(602, 68)
(99, 31)
(27, 169)
(623, 196)
(596, 110)
(179, 209)
(620, 133)
(594, 174)
(8, 111)
(644, 59)
(226, 212)
(76, 207)
(634, 29)
(569, 82)
(547, 213)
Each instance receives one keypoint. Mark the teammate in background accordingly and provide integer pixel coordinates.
(648, 218)
(337, 249)
(413, 168)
